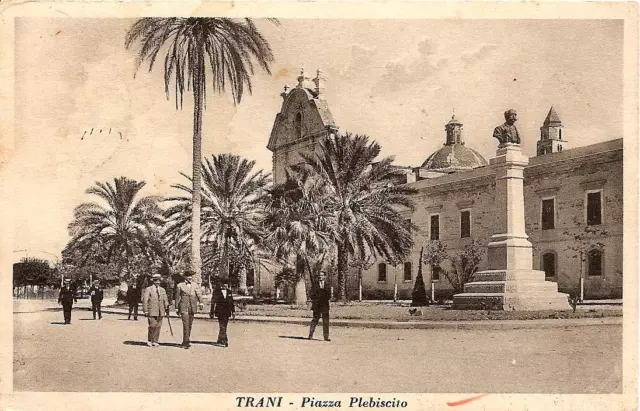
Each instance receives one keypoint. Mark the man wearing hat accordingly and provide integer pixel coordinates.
(155, 306)
(222, 307)
(320, 305)
(66, 298)
(133, 297)
(188, 300)
(97, 295)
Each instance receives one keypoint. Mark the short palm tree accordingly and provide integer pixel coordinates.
(123, 228)
(194, 47)
(299, 227)
(231, 211)
(364, 197)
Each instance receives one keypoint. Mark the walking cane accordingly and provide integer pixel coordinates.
(169, 321)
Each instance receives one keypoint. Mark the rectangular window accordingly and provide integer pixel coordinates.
(549, 264)
(382, 273)
(435, 227)
(548, 214)
(594, 208)
(435, 273)
(465, 224)
(594, 261)
(408, 275)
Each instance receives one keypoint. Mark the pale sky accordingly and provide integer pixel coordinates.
(397, 81)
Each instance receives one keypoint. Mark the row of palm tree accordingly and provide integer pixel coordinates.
(339, 201)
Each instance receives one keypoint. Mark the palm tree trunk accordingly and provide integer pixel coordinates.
(225, 253)
(242, 279)
(343, 260)
(198, 94)
(301, 287)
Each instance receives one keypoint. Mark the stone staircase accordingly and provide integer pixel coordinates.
(511, 290)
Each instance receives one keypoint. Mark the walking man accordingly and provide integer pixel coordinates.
(97, 294)
(67, 297)
(133, 298)
(155, 306)
(188, 300)
(222, 307)
(320, 297)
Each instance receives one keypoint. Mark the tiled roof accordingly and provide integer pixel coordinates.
(454, 157)
(552, 118)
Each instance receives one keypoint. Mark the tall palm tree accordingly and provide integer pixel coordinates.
(122, 229)
(224, 46)
(364, 198)
(299, 226)
(231, 212)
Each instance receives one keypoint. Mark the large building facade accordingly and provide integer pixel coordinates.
(573, 201)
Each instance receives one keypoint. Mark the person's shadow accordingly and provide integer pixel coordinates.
(57, 323)
(295, 337)
(213, 343)
(144, 344)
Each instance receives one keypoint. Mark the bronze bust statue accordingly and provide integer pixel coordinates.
(507, 132)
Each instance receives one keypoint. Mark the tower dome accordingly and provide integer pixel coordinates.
(454, 156)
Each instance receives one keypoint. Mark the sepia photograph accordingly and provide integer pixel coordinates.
(242, 203)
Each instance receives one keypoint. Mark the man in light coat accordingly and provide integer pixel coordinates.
(188, 299)
(155, 306)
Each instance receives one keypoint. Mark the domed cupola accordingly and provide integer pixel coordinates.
(454, 156)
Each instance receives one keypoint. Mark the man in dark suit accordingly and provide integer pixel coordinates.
(320, 296)
(97, 295)
(133, 298)
(222, 307)
(67, 297)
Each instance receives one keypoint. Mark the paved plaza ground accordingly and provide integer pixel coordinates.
(111, 355)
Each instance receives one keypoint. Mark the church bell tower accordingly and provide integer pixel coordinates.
(552, 139)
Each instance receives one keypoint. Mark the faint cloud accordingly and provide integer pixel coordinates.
(361, 58)
(479, 54)
(412, 69)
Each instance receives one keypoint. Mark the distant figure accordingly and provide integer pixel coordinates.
(188, 300)
(507, 132)
(155, 305)
(67, 297)
(222, 306)
(97, 295)
(320, 297)
(133, 298)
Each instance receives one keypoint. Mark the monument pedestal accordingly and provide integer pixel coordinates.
(510, 283)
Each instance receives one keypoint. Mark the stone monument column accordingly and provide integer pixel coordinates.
(510, 282)
(510, 247)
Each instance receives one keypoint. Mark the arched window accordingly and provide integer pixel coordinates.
(560, 133)
(549, 264)
(408, 275)
(382, 272)
(594, 262)
(297, 126)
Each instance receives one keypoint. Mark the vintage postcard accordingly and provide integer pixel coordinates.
(248, 205)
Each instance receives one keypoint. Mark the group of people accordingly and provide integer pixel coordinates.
(188, 302)
(68, 296)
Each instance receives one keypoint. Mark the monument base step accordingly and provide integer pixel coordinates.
(519, 290)
(511, 301)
